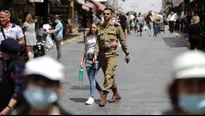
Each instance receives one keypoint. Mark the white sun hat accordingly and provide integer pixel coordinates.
(45, 66)
(189, 64)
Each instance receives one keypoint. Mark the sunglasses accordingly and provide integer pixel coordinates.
(106, 13)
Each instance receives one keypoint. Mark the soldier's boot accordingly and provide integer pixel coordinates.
(116, 96)
(103, 99)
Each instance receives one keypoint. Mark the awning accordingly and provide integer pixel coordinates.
(98, 4)
(177, 2)
(85, 4)
(110, 6)
(85, 8)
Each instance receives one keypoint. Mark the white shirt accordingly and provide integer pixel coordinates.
(14, 32)
(172, 17)
(90, 44)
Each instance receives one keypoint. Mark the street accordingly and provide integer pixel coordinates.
(141, 83)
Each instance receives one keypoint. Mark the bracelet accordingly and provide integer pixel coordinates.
(9, 107)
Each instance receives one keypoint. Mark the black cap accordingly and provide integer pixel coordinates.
(10, 46)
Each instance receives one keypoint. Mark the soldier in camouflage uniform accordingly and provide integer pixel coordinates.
(105, 49)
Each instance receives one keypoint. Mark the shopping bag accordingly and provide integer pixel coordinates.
(49, 42)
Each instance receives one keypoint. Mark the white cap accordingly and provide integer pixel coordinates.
(190, 64)
(45, 66)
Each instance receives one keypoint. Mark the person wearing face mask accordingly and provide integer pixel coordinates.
(187, 88)
(58, 36)
(42, 88)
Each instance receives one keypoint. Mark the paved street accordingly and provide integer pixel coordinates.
(141, 83)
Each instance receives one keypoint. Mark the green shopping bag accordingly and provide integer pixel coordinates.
(80, 75)
(132, 24)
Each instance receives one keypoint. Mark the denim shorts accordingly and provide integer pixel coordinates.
(89, 61)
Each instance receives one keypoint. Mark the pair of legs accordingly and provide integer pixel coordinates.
(92, 72)
(150, 28)
(58, 47)
(108, 65)
(195, 43)
(30, 52)
(140, 28)
(171, 26)
(156, 27)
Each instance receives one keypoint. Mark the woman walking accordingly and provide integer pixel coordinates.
(30, 35)
(140, 23)
(194, 32)
(91, 68)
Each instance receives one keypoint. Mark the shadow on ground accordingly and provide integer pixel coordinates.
(80, 87)
(174, 42)
(83, 100)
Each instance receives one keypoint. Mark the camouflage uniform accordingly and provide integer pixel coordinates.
(108, 55)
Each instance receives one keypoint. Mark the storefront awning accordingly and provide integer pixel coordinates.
(110, 6)
(85, 4)
(98, 4)
(177, 2)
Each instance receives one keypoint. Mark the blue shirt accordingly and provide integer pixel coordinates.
(59, 33)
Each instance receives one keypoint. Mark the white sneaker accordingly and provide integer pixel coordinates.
(90, 101)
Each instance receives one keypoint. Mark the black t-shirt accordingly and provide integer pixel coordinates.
(123, 20)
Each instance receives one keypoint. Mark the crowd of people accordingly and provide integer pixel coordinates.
(16, 43)
(34, 87)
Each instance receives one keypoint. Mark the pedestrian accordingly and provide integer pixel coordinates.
(172, 17)
(194, 32)
(30, 35)
(58, 36)
(140, 23)
(105, 50)
(149, 23)
(12, 81)
(43, 76)
(12, 31)
(123, 22)
(187, 88)
(87, 57)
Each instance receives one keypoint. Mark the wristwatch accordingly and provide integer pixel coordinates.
(127, 54)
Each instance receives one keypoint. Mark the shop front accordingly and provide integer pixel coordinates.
(80, 15)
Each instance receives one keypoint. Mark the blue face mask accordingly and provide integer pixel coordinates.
(40, 98)
(194, 104)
